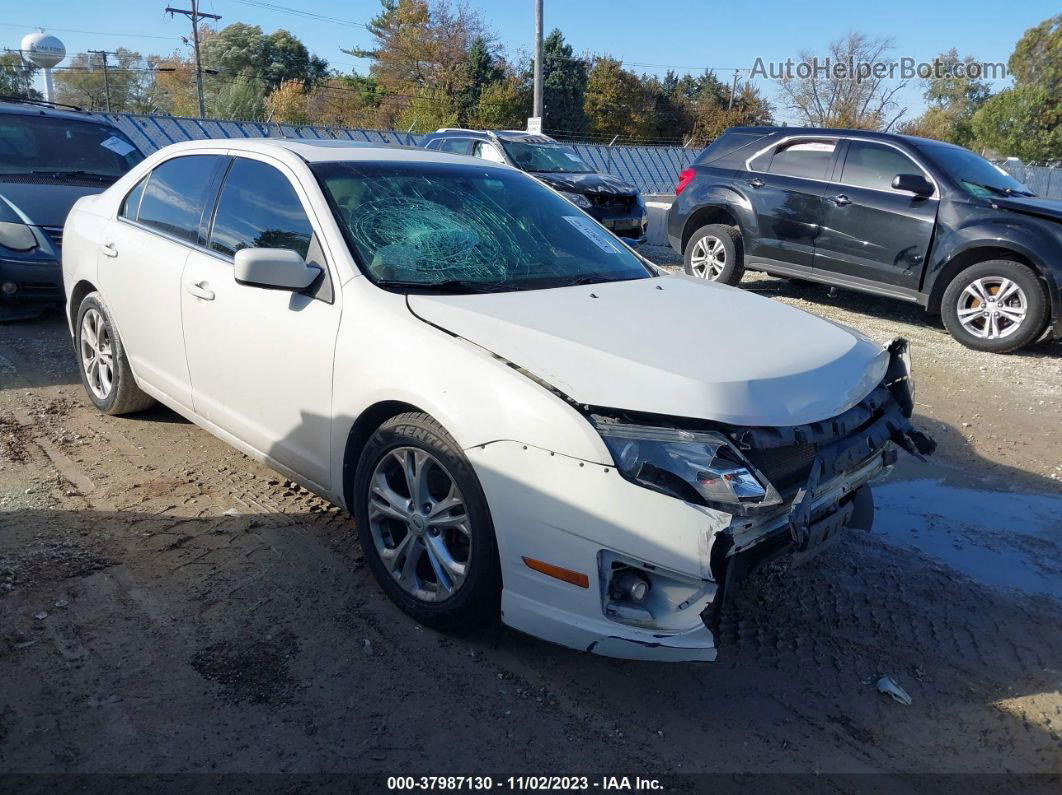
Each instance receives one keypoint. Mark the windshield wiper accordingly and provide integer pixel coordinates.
(74, 173)
(446, 285)
(998, 190)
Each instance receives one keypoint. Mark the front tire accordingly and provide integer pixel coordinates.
(996, 306)
(715, 253)
(424, 525)
(104, 367)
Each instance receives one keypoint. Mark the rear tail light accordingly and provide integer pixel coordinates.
(685, 176)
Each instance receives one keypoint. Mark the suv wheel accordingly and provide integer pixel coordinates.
(424, 525)
(105, 370)
(996, 306)
(715, 253)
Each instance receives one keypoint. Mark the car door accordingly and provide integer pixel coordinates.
(786, 188)
(260, 359)
(141, 262)
(871, 231)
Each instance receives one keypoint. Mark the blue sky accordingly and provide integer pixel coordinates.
(683, 34)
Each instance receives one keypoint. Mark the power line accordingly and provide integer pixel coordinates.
(301, 13)
(94, 32)
(106, 78)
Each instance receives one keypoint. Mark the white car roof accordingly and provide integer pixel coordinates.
(314, 151)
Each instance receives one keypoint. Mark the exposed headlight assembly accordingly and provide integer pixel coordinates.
(578, 199)
(17, 237)
(696, 466)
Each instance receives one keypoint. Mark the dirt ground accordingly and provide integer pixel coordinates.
(168, 605)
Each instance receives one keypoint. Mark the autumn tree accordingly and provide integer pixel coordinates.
(1026, 121)
(129, 81)
(823, 97)
(616, 101)
(953, 92)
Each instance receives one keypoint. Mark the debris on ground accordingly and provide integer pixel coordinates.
(889, 687)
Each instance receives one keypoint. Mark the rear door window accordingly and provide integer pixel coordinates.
(459, 146)
(809, 159)
(487, 151)
(871, 165)
(259, 208)
(175, 194)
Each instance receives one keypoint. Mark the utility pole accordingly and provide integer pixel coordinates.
(195, 15)
(538, 60)
(733, 90)
(106, 77)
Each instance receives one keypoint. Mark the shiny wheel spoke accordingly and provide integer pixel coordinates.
(97, 354)
(992, 307)
(419, 523)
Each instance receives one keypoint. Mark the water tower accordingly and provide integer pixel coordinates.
(44, 51)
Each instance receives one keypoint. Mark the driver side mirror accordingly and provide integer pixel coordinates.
(274, 267)
(915, 183)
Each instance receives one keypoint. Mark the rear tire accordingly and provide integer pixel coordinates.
(103, 365)
(715, 253)
(444, 573)
(973, 315)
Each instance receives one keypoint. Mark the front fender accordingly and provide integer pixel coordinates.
(1034, 241)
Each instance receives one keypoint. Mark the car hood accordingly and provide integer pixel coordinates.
(1032, 205)
(41, 204)
(675, 345)
(603, 184)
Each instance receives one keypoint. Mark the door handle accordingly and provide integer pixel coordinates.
(108, 250)
(200, 290)
(840, 200)
(756, 182)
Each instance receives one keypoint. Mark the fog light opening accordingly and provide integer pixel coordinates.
(629, 585)
(9, 288)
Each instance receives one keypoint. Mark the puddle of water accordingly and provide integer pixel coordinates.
(997, 538)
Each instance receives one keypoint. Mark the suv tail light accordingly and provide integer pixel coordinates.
(685, 176)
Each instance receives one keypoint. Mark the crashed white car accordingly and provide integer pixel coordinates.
(526, 418)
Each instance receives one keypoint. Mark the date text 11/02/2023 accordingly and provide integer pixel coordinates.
(524, 783)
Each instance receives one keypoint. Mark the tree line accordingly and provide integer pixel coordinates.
(433, 64)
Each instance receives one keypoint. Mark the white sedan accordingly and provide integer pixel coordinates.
(525, 418)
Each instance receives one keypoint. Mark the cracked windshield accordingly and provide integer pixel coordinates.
(481, 228)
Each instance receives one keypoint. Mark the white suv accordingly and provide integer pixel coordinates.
(524, 416)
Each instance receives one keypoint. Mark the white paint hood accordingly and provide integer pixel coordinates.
(674, 345)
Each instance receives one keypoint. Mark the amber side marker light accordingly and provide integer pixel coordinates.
(567, 575)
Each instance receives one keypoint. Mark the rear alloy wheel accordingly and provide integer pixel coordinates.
(714, 253)
(996, 306)
(424, 524)
(105, 370)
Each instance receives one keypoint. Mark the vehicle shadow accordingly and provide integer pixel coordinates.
(872, 306)
(28, 352)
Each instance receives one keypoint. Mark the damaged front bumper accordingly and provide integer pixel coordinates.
(606, 532)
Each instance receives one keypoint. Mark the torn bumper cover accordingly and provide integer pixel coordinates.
(614, 531)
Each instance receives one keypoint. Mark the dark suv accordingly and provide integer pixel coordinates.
(904, 217)
(615, 204)
(49, 158)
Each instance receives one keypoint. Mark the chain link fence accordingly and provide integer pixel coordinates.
(652, 169)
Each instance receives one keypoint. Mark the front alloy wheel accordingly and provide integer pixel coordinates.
(996, 306)
(419, 523)
(97, 354)
(424, 524)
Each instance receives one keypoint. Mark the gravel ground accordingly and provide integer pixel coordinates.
(168, 605)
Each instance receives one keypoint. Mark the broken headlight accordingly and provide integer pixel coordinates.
(575, 198)
(696, 466)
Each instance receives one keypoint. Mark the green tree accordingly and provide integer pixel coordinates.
(483, 69)
(564, 79)
(429, 109)
(16, 76)
(1026, 121)
(503, 104)
(953, 94)
(241, 49)
(241, 97)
